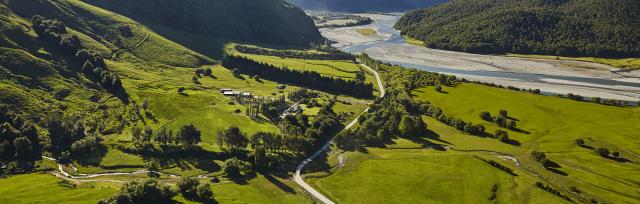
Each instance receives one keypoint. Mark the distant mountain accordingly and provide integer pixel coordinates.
(364, 5)
(604, 28)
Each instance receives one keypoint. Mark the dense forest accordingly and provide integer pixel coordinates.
(601, 28)
(364, 5)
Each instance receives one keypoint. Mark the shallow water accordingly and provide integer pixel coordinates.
(385, 28)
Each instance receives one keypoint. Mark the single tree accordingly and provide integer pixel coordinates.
(486, 116)
(603, 152)
(438, 88)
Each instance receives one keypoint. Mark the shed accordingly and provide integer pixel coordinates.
(230, 93)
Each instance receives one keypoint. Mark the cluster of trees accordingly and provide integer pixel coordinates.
(147, 191)
(499, 166)
(541, 158)
(204, 72)
(564, 28)
(397, 114)
(269, 107)
(411, 126)
(19, 143)
(309, 79)
(302, 95)
(605, 153)
(553, 191)
(502, 120)
(188, 136)
(94, 67)
(331, 55)
(68, 139)
(191, 188)
(360, 21)
(269, 149)
(235, 167)
(490, 84)
(55, 32)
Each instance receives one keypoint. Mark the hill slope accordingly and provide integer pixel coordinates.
(567, 27)
(265, 21)
(364, 5)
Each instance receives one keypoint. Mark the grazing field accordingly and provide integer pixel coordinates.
(45, 188)
(624, 63)
(444, 165)
(552, 125)
(414, 175)
(366, 31)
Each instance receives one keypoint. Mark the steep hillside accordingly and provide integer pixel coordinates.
(599, 28)
(364, 5)
(266, 21)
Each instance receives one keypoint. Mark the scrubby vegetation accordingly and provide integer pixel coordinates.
(562, 28)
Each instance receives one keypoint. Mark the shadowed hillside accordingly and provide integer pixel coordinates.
(599, 28)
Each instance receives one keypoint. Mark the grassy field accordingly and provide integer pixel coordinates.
(424, 176)
(554, 124)
(335, 68)
(45, 188)
(625, 63)
(443, 166)
(366, 31)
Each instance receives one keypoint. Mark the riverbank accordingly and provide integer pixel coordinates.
(549, 75)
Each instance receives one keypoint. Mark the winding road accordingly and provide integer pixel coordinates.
(297, 177)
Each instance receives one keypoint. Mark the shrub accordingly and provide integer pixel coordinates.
(234, 167)
(148, 191)
(438, 89)
(502, 135)
(204, 192)
(616, 154)
(188, 186)
(486, 116)
(504, 113)
(603, 152)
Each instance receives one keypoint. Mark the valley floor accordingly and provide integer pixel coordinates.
(549, 75)
(446, 165)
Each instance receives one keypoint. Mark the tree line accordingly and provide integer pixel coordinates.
(93, 65)
(308, 79)
(331, 55)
